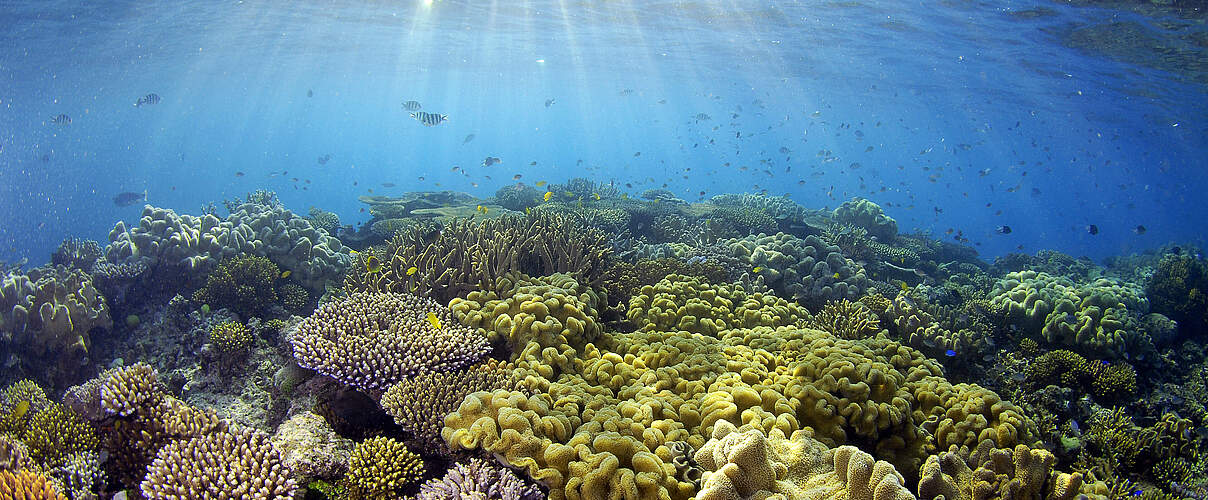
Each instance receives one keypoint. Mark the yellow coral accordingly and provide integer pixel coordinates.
(380, 467)
(27, 485)
(230, 337)
(56, 432)
(691, 304)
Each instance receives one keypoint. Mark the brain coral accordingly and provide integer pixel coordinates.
(749, 464)
(219, 465)
(1096, 318)
(602, 426)
(808, 270)
(47, 314)
(374, 340)
(868, 215)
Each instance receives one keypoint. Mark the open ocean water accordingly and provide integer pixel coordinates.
(1023, 134)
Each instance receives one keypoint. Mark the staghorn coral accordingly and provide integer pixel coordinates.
(231, 337)
(231, 463)
(243, 284)
(807, 270)
(80, 474)
(373, 340)
(479, 480)
(14, 455)
(469, 254)
(988, 472)
(868, 215)
(380, 467)
(846, 319)
(746, 463)
(26, 485)
(420, 402)
(46, 317)
(127, 389)
(684, 303)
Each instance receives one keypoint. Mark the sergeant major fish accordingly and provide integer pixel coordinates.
(429, 119)
(412, 105)
(148, 99)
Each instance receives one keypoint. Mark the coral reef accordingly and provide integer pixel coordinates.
(988, 472)
(684, 303)
(747, 464)
(380, 467)
(868, 215)
(244, 284)
(374, 340)
(478, 479)
(420, 402)
(311, 449)
(469, 254)
(78, 254)
(26, 485)
(807, 270)
(46, 319)
(230, 337)
(224, 464)
(1179, 289)
(517, 196)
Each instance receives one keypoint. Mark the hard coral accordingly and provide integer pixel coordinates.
(419, 403)
(469, 254)
(989, 472)
(868, 215)
(1179, 289)
(374, 340)
(807, 270)
(380, 467)
(479, 480)
(56, 432)
(219, 465)
(230, 337)
(686, 303)
(243, 284)
(846, 319)
(26, 485)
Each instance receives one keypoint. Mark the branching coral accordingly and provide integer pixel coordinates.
(479, 479)
(231, 337)
(846, 319)
(244, 284)
(26, 485)
(380, 467)
(468, 254)
(374, 340)
(419, 403)
(1179, 289)
(219, 465)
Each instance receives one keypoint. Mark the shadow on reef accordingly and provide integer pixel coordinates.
(571, 341)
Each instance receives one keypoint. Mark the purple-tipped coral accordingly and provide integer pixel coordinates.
(373, 340)
(479, 479)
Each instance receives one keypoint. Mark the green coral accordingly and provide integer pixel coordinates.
(243, 284)
(294, 298)
(231, 337)
(381, 467)
(1179, 289)
(56, 432)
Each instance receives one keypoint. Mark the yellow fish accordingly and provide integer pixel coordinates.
(20, 410)
(540, 183)
(757, 269)
(624, 196)
(528, 210)
(905, 287)
(286, 274)
(482, 210)
(836, 276)
(435, 321)
(596, 196)
(372, 264)
(412, 270)
(548, 195)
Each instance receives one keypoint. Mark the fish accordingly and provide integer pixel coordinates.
(1003, 229)
(481, 209)
(412, 270)
(702, 117)
(756, 269)
(596, 196)
(517, 177)
(387, 184)
(540, 183)
(1092, 229)
(286, 274)
(1139, 229)
(19, 411)
(412, 106)
(61, 119)
(549, 102)
(491, 160)
(310, 93)
(468, 138)
(147, 100)
(128, 198)
(373, 264)
(433, 320)
(548, 195)
(950, 353)
(324, 159)
(239, 174)
(836, 276)
(429, 119)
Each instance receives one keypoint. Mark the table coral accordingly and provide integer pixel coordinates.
(374, 340)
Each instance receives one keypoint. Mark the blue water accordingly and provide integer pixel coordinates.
(976, 116)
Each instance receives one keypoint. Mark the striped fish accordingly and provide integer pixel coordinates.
(151, 98)
(412, 105)
(430, 119)
(61, 119)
